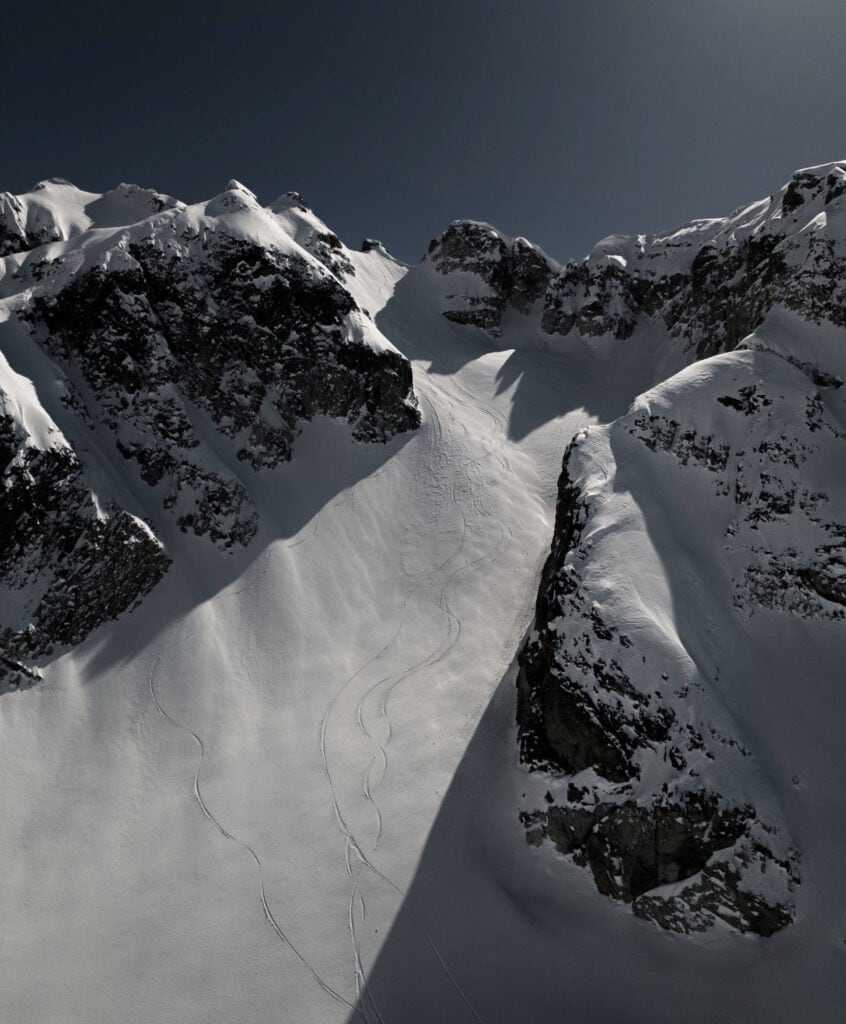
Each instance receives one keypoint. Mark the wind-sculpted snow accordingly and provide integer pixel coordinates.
(56, 211)
(197, 341)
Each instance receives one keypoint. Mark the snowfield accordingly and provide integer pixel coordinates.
(286, 786)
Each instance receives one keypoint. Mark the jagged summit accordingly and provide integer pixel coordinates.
(513, 272)
(233, 185)
(701, 288)
(371, 244)
(55, 211)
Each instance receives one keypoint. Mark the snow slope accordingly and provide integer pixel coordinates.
(325, 683)
(287, 785)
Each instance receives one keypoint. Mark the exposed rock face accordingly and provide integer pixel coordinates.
(226, 318)
(66, 564)
(578, 709)
(253, 337)
(687, 842)
(22, 228)
(591, 711)
(512, 273)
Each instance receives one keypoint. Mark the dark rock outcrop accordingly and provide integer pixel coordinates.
(68, 565)
(632, 849)
(707, 285)
(256, 339)
(515, 274)
(636, 750)
(577, 707)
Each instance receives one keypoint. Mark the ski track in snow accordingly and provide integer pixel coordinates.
(539, 945)
(388, 684)
(385, 686)
(468, 498)
(198, 796)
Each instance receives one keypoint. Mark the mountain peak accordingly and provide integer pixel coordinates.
(39, 186)
(233, 185)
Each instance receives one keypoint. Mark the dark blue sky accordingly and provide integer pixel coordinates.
(561, 120)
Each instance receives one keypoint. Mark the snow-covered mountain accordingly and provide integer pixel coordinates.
(690, 534)
(301, 715)
(181, 341)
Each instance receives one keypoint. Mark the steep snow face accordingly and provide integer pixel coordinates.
(190, 344)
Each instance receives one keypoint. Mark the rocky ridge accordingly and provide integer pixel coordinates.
(707, 285)
(160, 322)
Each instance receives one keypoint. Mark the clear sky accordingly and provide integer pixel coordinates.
(560, 120)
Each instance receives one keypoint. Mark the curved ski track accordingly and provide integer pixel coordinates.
(198, 796)
(390, 682)
(384, 687)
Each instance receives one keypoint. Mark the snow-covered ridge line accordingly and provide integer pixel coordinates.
(707, 284)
